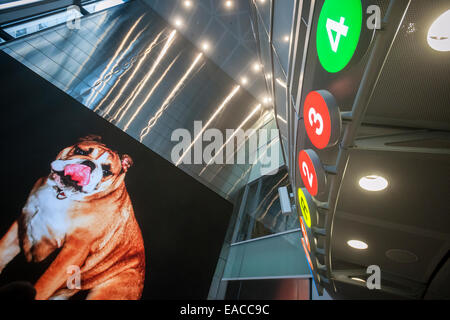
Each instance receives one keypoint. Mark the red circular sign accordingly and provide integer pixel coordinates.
(308, 173)
(316, 117)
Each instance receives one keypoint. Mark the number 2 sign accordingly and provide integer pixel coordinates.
(322, 120)
(312, 172)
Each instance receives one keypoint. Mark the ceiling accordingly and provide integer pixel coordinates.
(413, 90)
(411, 217)
(227, 31)
(405, 138)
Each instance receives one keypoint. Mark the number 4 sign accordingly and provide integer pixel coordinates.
(338, 32)
(322, 119)
(339, 28)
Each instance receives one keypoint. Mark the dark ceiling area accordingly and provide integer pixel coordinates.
(413, 90)
(403, 138)
(407, 225)
(411, 214)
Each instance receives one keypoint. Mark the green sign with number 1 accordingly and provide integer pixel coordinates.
(338, 32)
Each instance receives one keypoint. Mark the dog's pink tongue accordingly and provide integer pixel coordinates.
(79, 173)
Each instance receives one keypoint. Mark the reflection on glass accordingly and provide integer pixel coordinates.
(261, 215)
(282, 23)
(22, 29)
(102, 5)
(264, 11)
(264, 49)
(13, 4)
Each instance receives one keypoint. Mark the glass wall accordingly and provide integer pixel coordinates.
(272, 24)
(264, 242)
(269, 257)
(260, 213)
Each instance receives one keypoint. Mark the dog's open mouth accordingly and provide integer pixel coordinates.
(65, 181)
(74, 176)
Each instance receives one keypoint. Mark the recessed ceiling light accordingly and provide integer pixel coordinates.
(244, 80)
(269, 76)
(357, 244)
(205, 46)
(358, 279)
(267, 99)
(187, 3)
(373, 183)
(178, 22)
(439, 33)
(256, 67)
(286, 38)
(228, 3)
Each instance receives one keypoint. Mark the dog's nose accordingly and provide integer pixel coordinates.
(90, 164)
(58, 165)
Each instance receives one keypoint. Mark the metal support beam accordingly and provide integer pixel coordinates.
(388, 142)
(83, 11)
(5, 36)
(377, 59)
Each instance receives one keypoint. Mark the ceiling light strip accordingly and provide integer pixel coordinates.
(125, 86)
(219, 109)
(145, 131)
(149, 94)
(94, 47)
(232, 136)
(129, 102)
(117, 52)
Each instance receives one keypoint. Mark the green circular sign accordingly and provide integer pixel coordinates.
(338, 31)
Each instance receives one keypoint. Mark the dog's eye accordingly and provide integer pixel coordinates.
(106, 170)
(81, 152)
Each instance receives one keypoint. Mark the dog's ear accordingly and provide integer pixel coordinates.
(91, 137)
(126, 161)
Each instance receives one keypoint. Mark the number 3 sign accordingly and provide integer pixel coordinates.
(312, 172)
(322, 119)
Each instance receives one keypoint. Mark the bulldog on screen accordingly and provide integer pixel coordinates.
(83, 208)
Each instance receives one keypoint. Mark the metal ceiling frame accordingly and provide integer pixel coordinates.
(387, 142)
(383, 42)
(379, 53)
